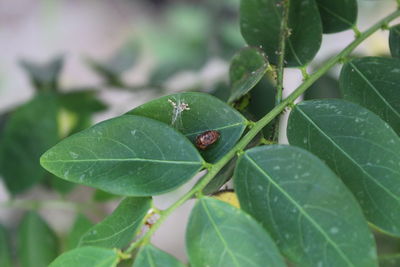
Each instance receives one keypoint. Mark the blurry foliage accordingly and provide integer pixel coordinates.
(186, 35)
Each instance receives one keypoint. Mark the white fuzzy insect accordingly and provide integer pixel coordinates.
(179, 107)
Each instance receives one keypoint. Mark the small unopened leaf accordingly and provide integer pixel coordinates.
(309, 212)
(247, 68)
(337, 15)
(119, 228)
(87, 256)
(394, 41)
(194, 113)
(5, 252)
(360, 147)
(127, 155)
(150, 256)
(374, 83)
(219, 234)
(80, 226)
(260, 22)
(37, 243)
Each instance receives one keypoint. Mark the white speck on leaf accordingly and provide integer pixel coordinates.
(334, 230)
(73, 155)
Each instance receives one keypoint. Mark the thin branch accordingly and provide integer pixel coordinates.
(284, 34)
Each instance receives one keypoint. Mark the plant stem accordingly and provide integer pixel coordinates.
(30, 204)
(284, 33)
(259, 125)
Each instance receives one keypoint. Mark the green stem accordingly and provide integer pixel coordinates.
(259, 125)
(284, 34)
(30, 204)
(281, 51)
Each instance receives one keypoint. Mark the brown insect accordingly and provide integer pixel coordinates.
(204, 140)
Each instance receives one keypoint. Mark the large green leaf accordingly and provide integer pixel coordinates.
(5, 252)
(128, 155)
(205, 113)
(81, 225)
(37, 243)
(260, 22)
(28, 132)
(374, 83)
(149, 256)
(119, 228)
(308, 211)
(81, 101)
(219, 234)
(87, 256)
(337, 15)
(394, 41)
(247, 68)
(360, 147)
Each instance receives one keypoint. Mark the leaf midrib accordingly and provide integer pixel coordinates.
(301, 210)
(121, 160)
(219, 234)
(375, 89)
(335, 14)
(347, 155)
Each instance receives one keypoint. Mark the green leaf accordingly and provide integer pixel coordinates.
(205, 113)
(220, 179)
(77, 110)
(394, 41)
(38, 244)
(101, 196)
(374, 83)
(389, 260)
(262, 101)
(219, 234)
(5, 252)
(119, 228)
(127, 155)
(337, 15)
(44, 77)
(152, 256)
(81, 225)
(311, 215)
(28, 132)
(82, 101)
(260, 22)
(361, 148)
(87, 256)
(325, 87)
(247, 68)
